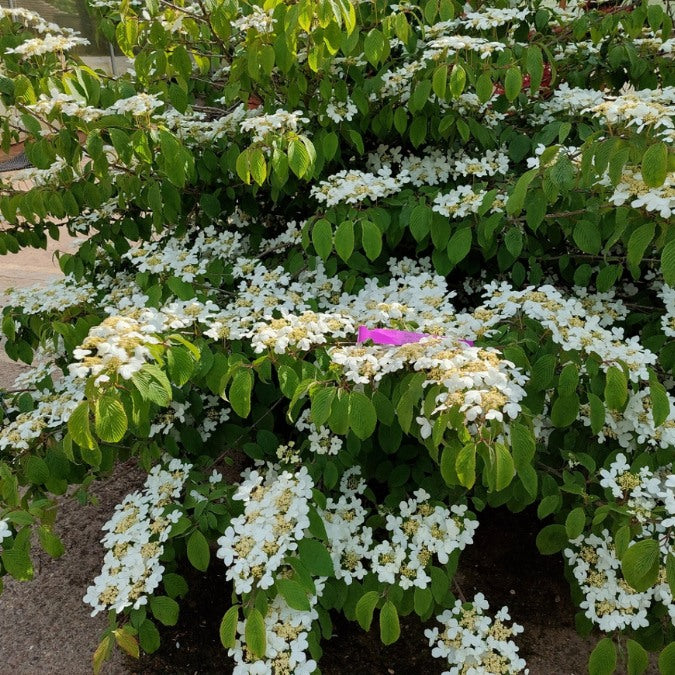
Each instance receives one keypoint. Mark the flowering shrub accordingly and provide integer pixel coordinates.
(487, 186)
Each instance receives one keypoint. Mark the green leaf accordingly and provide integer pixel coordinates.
(153, 385)
(362, 415)
(298, 158)
(574, 523)
(667, 659)
(522, 445)
(78, 426)
(670, 572)
(603, 658)
(668, 263)
(36, 470)
(148, 636)
(637, 245)
(365, 608)
(239, 394)
(344, 239)
(516, 200)
(228, 627)
(638, 658)
(440, 80)
(315, 558)
(422, 601)
(50, 543)
(102, 653)
(164, 609)
(513, 83)
(373, 46)
(110, 420)
(655, 165)
(565, 411)
(484, 88)
(174, 585)
(257, 166)
(465, 465)
(640, 564)
(504, 467)
(586, 236)
(420, 221)
(459, 245)
(371, 238)
(597, 413)
(127, 642)
(457, 80)
(198, 551)
(255, 634)
(534, 61)
(440, 584)
(181, 365)
(659, 399)
(322, 402)
(322, 238)
(390, 629)
(551, 539)
(513, 240)
(294, 594)
(616, 388)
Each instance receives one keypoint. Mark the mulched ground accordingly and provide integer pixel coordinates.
(503, 564)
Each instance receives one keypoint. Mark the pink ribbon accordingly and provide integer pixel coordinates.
(390, 336)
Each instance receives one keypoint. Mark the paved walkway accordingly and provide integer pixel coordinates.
(28, 267)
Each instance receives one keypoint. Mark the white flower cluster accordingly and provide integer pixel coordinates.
(279, 123)
(471, 642)
(56, 296)
(321, 440)
(31, 20)
(135, 537)
(448, 45)
(184, 257)
(567, 100)
(350, 541)
(119, 345)
(635, 424)
(609, 601)
(487, 18)
(667, 294)
(47, 45)
(197, 128)
(648, 495)
(477, 381)
(632, 188)
(5, 530)
(639, 108)
(52, 410)
(416, 534)
(570, 324)
(276, 508)
(339, 111)
(262, 21)
(390, 172)
(53, 174)
(353, 186)
(136, 105)
(291, 332)
(286, 633)
(460, 202)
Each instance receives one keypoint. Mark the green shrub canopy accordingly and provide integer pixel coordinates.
(413, 261)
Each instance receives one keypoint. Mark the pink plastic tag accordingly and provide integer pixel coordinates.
(390, 336)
